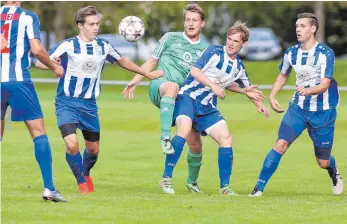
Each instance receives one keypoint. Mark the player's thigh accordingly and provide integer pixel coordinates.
(194, 141)
(89, 121)
(292, 125)
(24, 102)
(91, 140)
(220, 133)
(321, 129)
(183, 116)
(154, 93)
(66, 113)
(169, 89)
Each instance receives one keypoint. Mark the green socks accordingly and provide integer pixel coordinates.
(167, 106)
(194, 164)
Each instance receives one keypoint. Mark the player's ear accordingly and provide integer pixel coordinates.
(202, 23)
(244, 43)
(313, 29)
(80, 26)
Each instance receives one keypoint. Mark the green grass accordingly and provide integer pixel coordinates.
(260, 72)
(131, 164)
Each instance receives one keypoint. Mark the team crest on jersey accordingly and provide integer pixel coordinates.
(187, 57)
(89, 66)
(311, 60)
(198, 53)
(98, 50)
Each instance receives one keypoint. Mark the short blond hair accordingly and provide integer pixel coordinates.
(239, 27)
(194, 8)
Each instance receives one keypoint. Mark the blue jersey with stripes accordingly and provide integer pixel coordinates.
(18, 26)
(83, 63)
(310, 67)
(216, 64)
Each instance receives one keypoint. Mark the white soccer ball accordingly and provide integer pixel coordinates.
(131, 28)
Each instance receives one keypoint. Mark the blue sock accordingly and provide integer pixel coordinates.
(171, 160)
(269, 167)
(76, 166)
(43, 156)
(89, 161)
(225, 164)
(332, 166)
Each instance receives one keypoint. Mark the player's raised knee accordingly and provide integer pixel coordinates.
(323, 163)
(170, 88)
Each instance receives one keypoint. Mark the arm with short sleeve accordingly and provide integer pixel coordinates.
(33, 26)
(285, 67)
(113, 55)
(207, 58)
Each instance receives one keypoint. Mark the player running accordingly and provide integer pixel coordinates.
(313, 105)
(83, 58)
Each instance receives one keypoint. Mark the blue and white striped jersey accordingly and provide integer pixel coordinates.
(83, 63)
(310, 67)
(220, 69)
(18, 26)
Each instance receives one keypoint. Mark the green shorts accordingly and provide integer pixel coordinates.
(154, 93)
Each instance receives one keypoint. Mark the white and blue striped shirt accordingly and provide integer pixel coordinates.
(18, 26)
(83, 63)
(310, 67)
(220, 69)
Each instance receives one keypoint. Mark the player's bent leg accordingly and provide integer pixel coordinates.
(168, 92)
(194, 158)
(90, 155)
(43, 157)
(183, 128)
(73, 156)
(220, 133)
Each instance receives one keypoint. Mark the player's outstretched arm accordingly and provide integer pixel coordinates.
(321, 88)
(251, 91)
(277, 86)
(200, 77)
(131, 66)
(3, 42)
(129, 90)
(40, 52)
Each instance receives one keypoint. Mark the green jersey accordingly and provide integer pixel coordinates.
(177, 54)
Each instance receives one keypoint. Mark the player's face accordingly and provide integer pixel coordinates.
(90, 28)
(193, 24)
(304, 31)
(234, 44)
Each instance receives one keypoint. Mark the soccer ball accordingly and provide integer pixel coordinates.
(131, 28)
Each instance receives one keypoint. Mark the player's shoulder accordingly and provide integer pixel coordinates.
(239, 60)
(324, 49)
(28, 13)
(101, 40)
(215, 49)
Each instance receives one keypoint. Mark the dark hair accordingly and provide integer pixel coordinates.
(312, 17)
(82, 13)
(194, 8)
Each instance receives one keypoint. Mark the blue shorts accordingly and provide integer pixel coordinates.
(83, 112)
(187, 106)
(22, 98)
(320, 126)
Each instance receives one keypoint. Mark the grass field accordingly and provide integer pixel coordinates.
(131, 163)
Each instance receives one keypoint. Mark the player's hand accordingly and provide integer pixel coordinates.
(302, 90)
(58, 71)
(57, 61)
(264, 110)
(155, 74)
(275, 105)
(220, 92)
(255, 94)
(129, 90)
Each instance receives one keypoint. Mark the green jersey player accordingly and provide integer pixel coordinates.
(176, 52)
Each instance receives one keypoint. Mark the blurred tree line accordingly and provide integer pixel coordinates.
(160, 17)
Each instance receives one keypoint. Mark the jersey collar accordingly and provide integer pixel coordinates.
(189, 40)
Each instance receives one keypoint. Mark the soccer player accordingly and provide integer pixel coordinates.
(83, 58)
(175, 53)
(196, 111)
(313, 105)
(21, 28)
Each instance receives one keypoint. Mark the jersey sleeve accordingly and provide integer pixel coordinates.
(59, 50)
(207, 58)
(33, 26)
(327, 64)
(285, 67)
(112, 54)
(161, 46)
